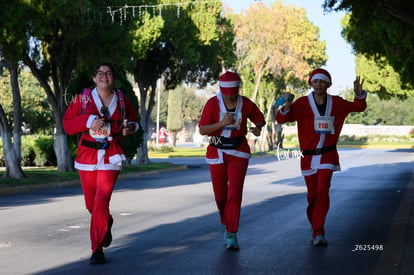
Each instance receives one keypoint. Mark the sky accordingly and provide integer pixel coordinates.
(341, 61)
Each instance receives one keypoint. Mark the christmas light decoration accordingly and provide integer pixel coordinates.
(122, 12)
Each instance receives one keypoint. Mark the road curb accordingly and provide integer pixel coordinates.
(37, 187)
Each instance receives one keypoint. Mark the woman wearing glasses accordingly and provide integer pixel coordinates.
(102, 115)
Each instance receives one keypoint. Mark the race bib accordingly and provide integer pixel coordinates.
(237, 120)
(101, 134)
(324, 125)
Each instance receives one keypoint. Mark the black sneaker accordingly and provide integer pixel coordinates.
(108, 235)
(97, 257)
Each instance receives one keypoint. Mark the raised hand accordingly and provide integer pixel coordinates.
(358, 86)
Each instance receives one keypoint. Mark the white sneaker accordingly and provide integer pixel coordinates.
(320, 240)
(230, 239)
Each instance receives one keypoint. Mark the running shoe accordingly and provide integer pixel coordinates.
(230, 240)
(320, 240)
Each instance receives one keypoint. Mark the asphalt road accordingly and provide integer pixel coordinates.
(168, 223)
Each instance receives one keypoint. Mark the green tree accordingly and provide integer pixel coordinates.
(193, 104)
(175, 112)
(385, 112)
(13, 43)
(36, 112)
(380, 78)
(68, 37)
(285, 53)
(12, 138)
(381, 29)
(183, 44)
(279, 56)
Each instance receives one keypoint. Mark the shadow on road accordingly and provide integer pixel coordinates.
(274, 236)
(274, 233)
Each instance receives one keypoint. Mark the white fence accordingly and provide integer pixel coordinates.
(360, 130)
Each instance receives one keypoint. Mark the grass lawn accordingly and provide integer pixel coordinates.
(177, 152)
(44, 175)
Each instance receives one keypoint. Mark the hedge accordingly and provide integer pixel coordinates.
(36, 151)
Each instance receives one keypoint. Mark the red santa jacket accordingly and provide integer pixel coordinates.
(214, 110)
(311, 128)
(74, 121)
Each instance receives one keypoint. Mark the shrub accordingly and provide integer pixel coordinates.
(38, 151)
(162, 149)
(28, 153)
(44, 152)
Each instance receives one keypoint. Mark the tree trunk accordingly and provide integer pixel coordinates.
(258, 79)
(142, 154)
(145, 114)
(264, 134)
(56, 100)
(272, 115)
(12, 160)
(12, 151)
(63, 156)
(62, 151)
(174, 137)
(13, 165)
(17, 112)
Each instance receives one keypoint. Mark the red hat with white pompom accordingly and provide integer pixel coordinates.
(320, 74)
(229, 83)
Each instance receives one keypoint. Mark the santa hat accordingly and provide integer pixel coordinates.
(229, 83)
(320, 74)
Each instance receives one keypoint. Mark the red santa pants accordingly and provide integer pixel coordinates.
(228, 180)
(318, 199)
(97, 189)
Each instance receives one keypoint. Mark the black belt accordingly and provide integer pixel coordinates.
(95, 144)
(319, 151)
(226, 143)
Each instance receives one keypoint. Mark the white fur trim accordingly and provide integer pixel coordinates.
(321, 77)
(236, 153)
(90, 120)
(322, 166)
(93, 167)
(98, 102)
(115, 162)
(117, 159)
(231, 152)
(283, 113)
(364, 95)
(229, 84)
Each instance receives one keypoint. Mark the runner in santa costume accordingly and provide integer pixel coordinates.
(320, 118)
(224, 120)
(101, 116)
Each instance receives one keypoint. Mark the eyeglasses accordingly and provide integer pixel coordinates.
(106, 74)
